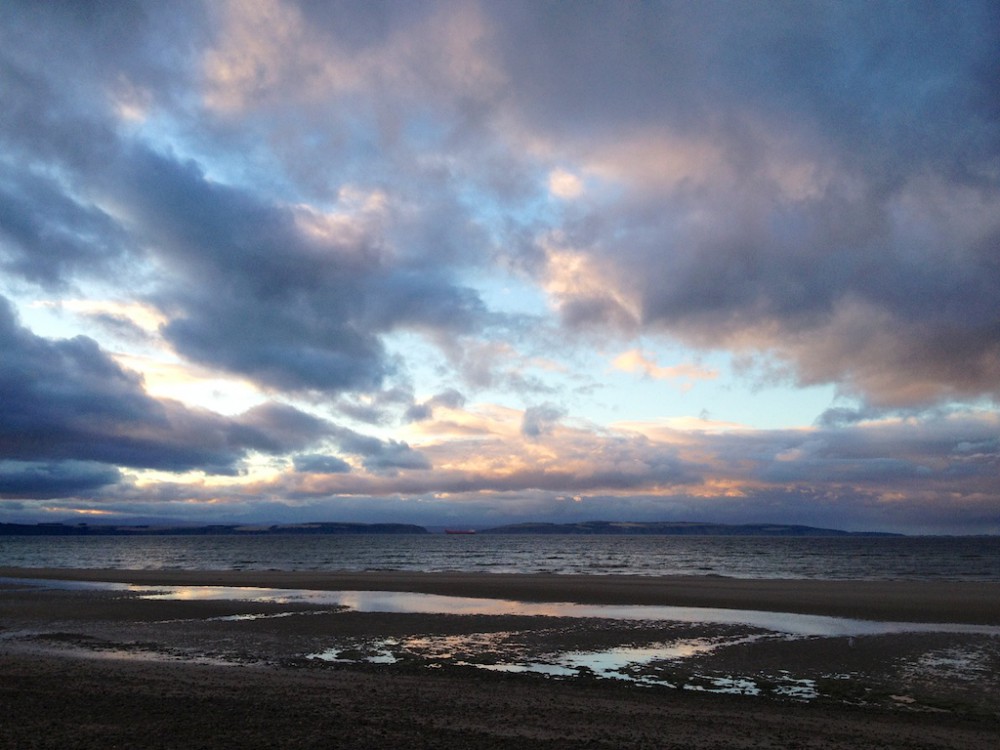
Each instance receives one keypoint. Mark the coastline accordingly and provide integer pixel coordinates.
(967, 602)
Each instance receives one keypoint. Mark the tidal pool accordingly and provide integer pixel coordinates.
(404, 602)
(412, 603)
(653, 664)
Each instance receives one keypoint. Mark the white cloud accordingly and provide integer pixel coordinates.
(565, 185)
(635, 360)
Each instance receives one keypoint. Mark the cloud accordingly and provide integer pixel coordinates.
(802, 187)
(323, 200)
(378, 407)
(635, 360)
(899, 462)
(448, 399)
(891, 296)
(380, 456)
(32, 479)
(893, 474)
(539, 420)
(316, 463)
(248, 290)
(249, 295)
(563, 184)
(68, 401)
(503, 457)
(301, 53)
(898, 474)
(49, 238)
(263, 287)
(278, 428)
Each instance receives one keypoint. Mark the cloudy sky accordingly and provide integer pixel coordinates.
(477, 263)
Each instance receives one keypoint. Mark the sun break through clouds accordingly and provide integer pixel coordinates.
(483, 262)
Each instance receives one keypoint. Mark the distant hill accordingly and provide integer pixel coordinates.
(668, 528)
(83, 529)
(672, 528)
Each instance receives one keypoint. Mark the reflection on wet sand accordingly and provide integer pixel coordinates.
(405, 602)
(652, 664)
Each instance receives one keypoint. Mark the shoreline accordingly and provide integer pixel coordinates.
(975, 603)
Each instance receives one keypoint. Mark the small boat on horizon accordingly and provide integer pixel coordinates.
(459, 531)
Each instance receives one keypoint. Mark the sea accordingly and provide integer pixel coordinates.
(819, 558)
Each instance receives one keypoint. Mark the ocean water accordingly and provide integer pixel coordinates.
(861, 558)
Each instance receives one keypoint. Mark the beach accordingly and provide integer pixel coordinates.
(91, 667)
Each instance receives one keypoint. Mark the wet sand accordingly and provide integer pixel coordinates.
(97, 669)
(904, 601)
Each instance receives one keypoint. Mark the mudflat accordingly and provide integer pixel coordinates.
(92, 668)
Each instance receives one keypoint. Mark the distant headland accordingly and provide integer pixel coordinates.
(663, 528)
(676, 528)
(84, 529)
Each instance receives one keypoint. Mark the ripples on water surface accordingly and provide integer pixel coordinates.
(914, 558)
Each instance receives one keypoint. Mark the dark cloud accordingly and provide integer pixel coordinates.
(379, 407)
(380, 456)
(394, 455)
(892, 297)
(895, 81)
(121, 327)
(254, 294)
(60, 108)
(247, 291)
(30, 479)
(948, 459)
(419, 413)
(839, 211)
(316, 463)
(539, 420)
(449, 399)
(248, 295)
(50, 386)
(47, 237)
(247, 283)
(278, 428)
(841, 416)
(67, 400)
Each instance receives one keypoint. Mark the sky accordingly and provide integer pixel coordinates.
(463, 263)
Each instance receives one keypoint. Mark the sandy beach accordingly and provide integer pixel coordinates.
(91, 668)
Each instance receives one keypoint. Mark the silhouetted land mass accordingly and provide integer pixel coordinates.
(673, 528)
(83, 529)
(667, 528)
